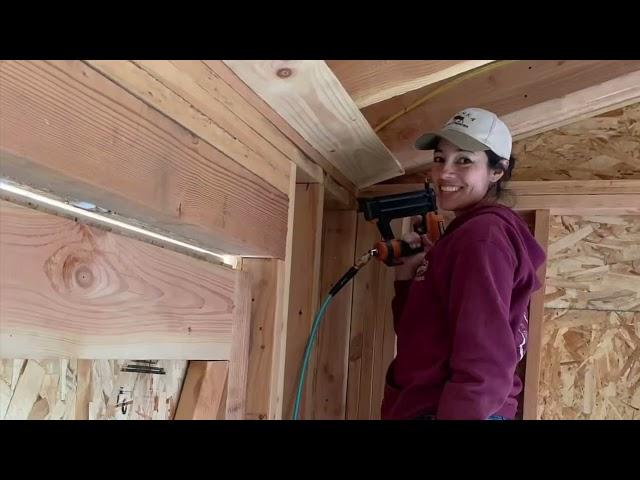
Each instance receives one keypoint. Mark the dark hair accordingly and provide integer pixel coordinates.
(497, 163)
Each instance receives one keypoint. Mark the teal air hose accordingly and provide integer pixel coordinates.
(307, 355)
(316, 325)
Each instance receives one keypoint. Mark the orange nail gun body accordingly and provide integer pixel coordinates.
(386, 208)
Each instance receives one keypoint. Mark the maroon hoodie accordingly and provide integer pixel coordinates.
(461, 323)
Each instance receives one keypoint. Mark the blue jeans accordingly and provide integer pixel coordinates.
(433, 417)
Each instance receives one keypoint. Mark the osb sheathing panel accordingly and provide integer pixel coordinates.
(48, 390)
(148, 396)
(594, 263)
(591, 337)
(602, 147)
(42, 390)
(591, 365)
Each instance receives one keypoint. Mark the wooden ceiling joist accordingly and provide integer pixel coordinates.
(66, 128)
(308, 96)
(207, 98)
(573, 107)
(373, 81)
(336, 184)
(189, 94)
(511, 88)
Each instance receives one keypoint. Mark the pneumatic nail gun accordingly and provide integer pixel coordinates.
(386, 208)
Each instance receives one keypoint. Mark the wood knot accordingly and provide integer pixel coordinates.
(284, 72)
(79, 270)
(76, 270)
(84, 276)
(355, 347)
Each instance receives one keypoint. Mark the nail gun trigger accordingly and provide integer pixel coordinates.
(421, 228)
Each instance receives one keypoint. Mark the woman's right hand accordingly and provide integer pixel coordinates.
(407, 270)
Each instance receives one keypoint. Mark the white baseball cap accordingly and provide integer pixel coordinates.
(472, 129)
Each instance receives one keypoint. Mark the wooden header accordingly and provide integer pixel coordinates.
(73, 291)
(66, 128)
(562, 197)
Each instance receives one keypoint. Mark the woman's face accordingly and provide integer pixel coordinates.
(461, 178)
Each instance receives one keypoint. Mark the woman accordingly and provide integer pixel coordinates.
(460, 310)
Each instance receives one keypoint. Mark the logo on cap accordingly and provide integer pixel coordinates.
(460, 119)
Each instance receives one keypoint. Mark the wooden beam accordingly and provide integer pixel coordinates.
(264, 291)
(371, 311)
(598, 204)
(372, 81)
(239, 361)
(192, 94)
(336, 184)
(73, 291)
(338, 255)
(203, 391)
(574, 187)
(279, 356)
(185, 93)
(523, 187)
(588, 197)
(510, 88)
(336, 197)
(112, 222)
(303, 292)
(573, 107)
(536, 317)
(66, 128)
(309, 97)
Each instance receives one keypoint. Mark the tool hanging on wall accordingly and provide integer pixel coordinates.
(390, 250)
(144, 366)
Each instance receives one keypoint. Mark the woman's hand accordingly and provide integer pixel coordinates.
(407, 270)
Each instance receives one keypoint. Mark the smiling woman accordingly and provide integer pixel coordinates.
(460, 310)
(465, 178)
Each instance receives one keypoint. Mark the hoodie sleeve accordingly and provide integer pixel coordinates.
(401, 288)
(484, 356)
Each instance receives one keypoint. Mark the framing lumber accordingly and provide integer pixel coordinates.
(339, 187)
(524, 187)
(89, 215)
(311, 99)
(203, 392)
(279, 356)
(573, 107)
(598, 204)
(536, 318)
(187, 92)
(510, 88)
(303, 292)
(578, 197)
(264, 289)
(372, 81)
(239, 361)
(371, 311)
(338, 255)
(66, 128)
(72, 291)
(574, 187)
